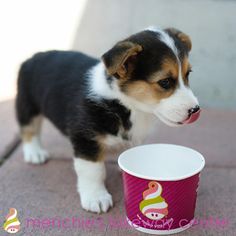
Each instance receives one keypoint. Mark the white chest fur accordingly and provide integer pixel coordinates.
(141, 125)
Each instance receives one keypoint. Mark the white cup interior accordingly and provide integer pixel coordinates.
(161, 162)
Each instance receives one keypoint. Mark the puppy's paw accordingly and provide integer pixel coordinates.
(96, 202)
(34, 154)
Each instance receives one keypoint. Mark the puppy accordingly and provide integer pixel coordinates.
(98, 103)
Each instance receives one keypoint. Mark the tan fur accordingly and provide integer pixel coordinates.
(185, 68)
(146, 92)
(128, 49)
(182, 36)
(32, 129)
(170, 67)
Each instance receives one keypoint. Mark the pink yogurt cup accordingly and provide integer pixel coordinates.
(160, 187)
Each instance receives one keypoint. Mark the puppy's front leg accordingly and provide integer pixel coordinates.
(91, 187)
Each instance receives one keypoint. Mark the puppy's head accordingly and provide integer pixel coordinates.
(152, 68)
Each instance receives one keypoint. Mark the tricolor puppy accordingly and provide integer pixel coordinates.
(99, 103)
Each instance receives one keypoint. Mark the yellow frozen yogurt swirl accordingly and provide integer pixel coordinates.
(153, 206)
(12, 224)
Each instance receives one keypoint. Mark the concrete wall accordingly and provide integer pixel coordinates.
(210, 23)
(93, 26)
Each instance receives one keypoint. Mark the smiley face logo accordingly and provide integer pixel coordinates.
(153, 206)
(12, 224)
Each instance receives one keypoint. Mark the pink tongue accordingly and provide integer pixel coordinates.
(192, 118)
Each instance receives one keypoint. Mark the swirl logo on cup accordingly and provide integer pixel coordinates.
(153, 206)
(12, 224)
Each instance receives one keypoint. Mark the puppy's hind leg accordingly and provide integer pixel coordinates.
(30, 133)
(29, 117)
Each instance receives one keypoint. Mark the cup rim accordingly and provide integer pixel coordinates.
(198, 170)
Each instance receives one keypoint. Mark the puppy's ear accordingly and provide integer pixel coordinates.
(118, 59)
(184, 38)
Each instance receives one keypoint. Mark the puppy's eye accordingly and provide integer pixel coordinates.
(166, 83)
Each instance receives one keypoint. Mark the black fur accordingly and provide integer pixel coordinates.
(55, 84)
(151, 57)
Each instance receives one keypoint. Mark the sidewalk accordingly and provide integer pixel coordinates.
(48, 191)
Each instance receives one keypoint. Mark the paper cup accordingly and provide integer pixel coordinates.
(160, 187)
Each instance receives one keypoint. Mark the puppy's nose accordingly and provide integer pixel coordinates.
(193, 110)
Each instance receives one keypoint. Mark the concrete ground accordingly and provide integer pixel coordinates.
(48, 191)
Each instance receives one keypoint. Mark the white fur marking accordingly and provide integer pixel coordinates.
(93, 193)
(181, 81)
(165, 38)
(99, 85)
(33, 152)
